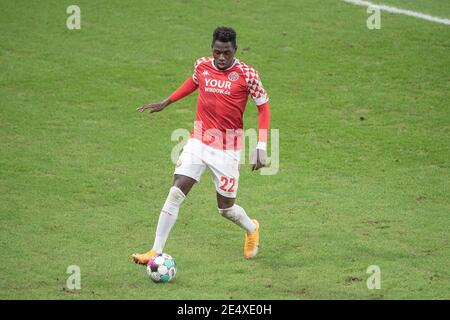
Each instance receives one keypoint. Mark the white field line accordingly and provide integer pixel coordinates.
(400, 11)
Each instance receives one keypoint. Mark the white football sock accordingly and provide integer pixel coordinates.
(167, 217)
(238, 215)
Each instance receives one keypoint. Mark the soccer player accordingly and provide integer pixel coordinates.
(224, 84)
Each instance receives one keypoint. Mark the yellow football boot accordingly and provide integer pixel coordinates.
(252, 242)
(143, 258)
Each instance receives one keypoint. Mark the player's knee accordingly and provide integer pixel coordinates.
(224, 202)
(176, 196)
(184, 183)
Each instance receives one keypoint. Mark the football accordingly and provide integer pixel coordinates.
(162, 268)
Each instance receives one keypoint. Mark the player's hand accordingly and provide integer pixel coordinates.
(154, 107)
(258, 159)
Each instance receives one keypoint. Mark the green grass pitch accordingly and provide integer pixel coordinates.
(364, 120)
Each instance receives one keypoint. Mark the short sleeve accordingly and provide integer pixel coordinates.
(194, 75)
(255, 87)
(196, 64)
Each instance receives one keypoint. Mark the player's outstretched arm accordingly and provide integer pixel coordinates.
(154, 107)
(185, 89)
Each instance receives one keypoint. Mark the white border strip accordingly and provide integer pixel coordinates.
(400, 11)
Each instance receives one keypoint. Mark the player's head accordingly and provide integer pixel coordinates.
(223, 47)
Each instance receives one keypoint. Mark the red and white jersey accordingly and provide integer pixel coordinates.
(222, 98)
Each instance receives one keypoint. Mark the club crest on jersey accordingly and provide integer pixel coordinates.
(233, 76)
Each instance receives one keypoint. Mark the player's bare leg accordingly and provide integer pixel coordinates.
(184, 183)
(169, 213)
(237, 214)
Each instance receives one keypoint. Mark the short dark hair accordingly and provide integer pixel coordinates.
(224, 34)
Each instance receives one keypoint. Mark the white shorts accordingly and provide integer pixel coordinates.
(222, 164)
